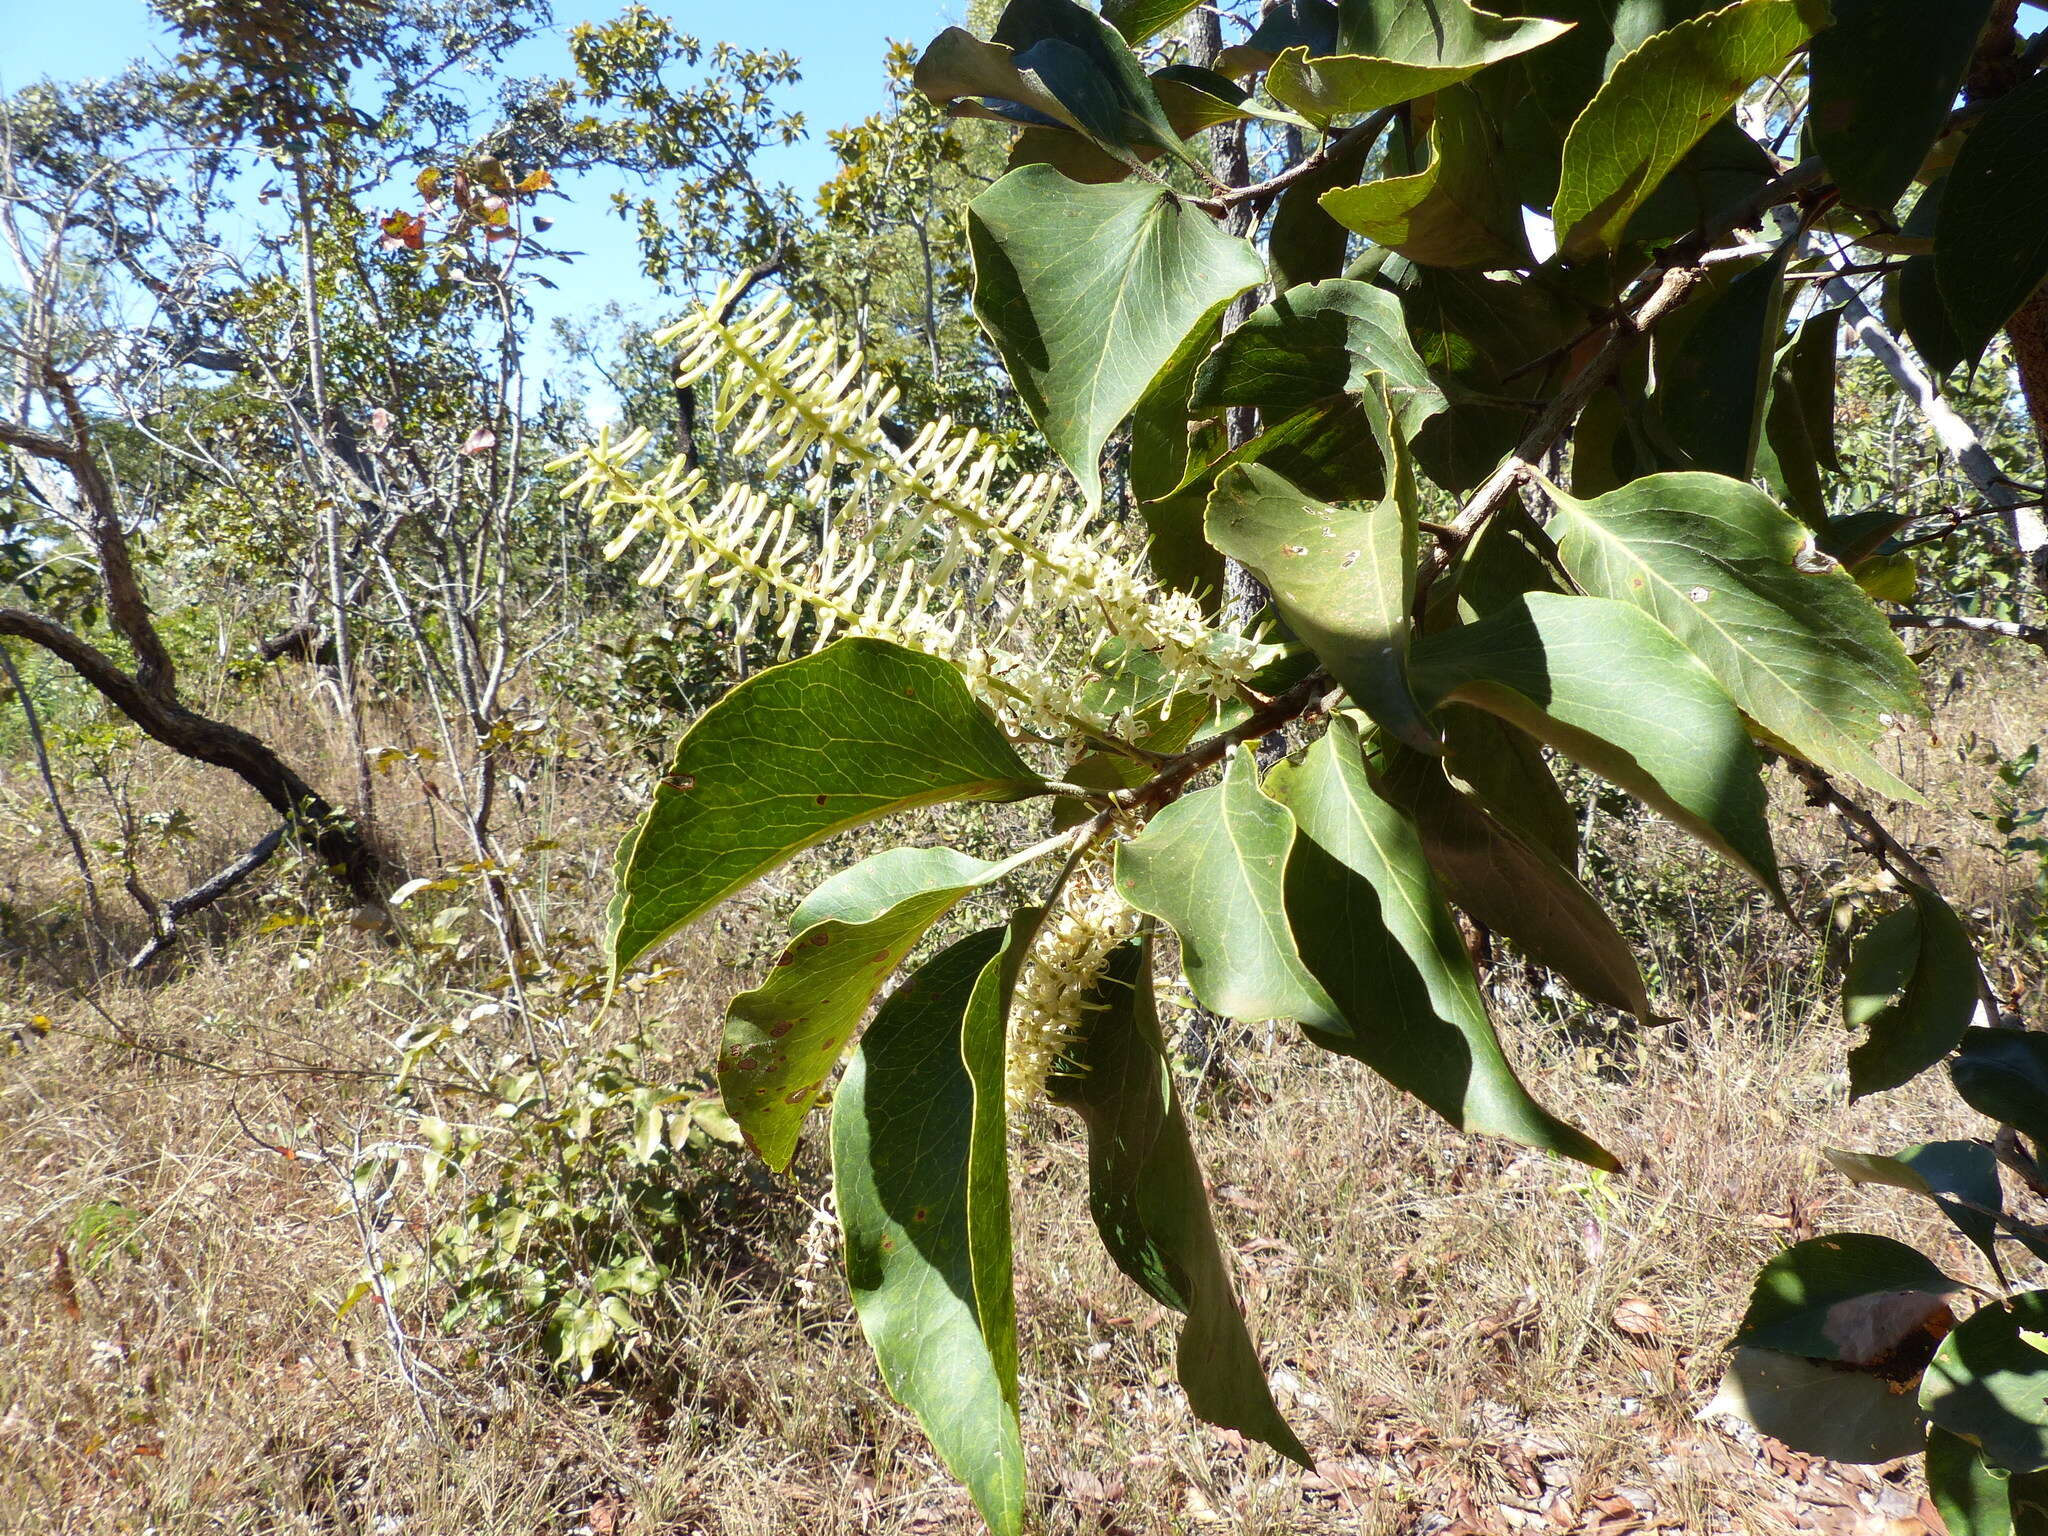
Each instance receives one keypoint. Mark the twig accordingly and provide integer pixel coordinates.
(1671, 291)
(1863, 829)
(1262, 192)
(1871, 835)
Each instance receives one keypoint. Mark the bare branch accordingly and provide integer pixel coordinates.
(330, 834)
(2032, 634)
(1958, 439)
(203, 895)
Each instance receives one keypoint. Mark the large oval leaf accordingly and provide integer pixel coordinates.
(1210, 867)
(1884, 79)
(1390, 51)
(1150, 1206)
(1516, 886)
(784, 1037)
(927, 1255)
(1799, 646)
(1913, 984)
(2003, 1074)
(795, 753)
(1818, 1408)
(1087, 292)
(1610, 688)
(1960, 1177)
(1342, 577)
(1316, 352)
(1658, 103)
(1988, 1383)
(1974, 1500)
(1712, 363)
(1373, 931)
(1991, 238)
(1852, 1297)
(1458, 211)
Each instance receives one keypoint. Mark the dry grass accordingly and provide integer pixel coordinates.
(1459, 1329)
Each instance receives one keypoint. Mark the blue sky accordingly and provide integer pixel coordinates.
(839, 42)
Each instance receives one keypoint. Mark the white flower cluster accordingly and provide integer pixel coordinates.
(1047, 1011)
(909, 544)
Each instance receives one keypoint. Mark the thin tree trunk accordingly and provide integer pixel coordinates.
(1243, 594)
(330, 510)
(35, 738)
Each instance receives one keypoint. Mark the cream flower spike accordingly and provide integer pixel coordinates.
(1048, 1014)
(913, 544)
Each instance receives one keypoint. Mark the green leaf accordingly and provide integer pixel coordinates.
(1913, 984)
(1799, 422)
(1787, 632)
(1988, 1383)
(1163, 441)
(1991, 241)
(1915, 294)
(1140, 19)
(1146, 1194)
(1725, 167)
(1192, 99)
(1197, 98)
(1509, 557)
(2003, 1074)
(1847, 1296)
(1304, 244)
(1391, 51)
(1210, 867)
(1342, 578)
(1973, 1499)
(1610, 688)
(1818, 1408)
(1317, 352)
(784, 1037)
(925, 1257)
(1088, 292)
(1884, 79)
(1504, 768)
(1539, 96)
(1373, 931)
(1084, 62)
(1892, 578)
(1658, 103)
(1058, 88)
(1516, 886)
(1611, 442)
(795, 753)
(1712, 362)
(1458, 212)
(1960, 1177)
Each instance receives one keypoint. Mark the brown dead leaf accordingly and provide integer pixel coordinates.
(1639, 1318)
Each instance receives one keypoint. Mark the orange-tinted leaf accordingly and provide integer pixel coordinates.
(403, 232)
